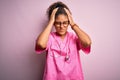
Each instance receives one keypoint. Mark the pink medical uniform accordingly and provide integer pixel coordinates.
(62, 59)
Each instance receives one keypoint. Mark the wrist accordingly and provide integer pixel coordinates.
(51, 22)
(72, 23)
(73, 26)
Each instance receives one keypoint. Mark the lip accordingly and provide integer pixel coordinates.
(61, 30)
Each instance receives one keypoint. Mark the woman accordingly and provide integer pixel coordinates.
(62, 47)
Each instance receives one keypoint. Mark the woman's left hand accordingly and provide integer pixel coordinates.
(69, 17)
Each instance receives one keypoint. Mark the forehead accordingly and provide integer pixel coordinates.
(61, 17)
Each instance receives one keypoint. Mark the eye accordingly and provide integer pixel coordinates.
(57, 22)
(66, 22)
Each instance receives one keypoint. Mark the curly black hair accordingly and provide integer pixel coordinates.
(60, 5)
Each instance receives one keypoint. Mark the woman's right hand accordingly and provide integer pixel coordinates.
(52, 17)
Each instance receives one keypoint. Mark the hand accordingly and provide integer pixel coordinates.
(69, 17)
(52, 17)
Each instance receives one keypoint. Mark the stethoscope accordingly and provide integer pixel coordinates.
(67, 56)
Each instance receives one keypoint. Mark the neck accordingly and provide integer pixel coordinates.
(62, 36)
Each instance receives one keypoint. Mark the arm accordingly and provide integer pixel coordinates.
(44, 35)
(83, 37)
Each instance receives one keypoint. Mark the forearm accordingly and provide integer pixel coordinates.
(44, 35)
(83, 37)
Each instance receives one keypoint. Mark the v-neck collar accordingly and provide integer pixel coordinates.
(59, 38)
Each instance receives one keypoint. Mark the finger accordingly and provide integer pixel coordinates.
(67, 11)
(55, 10)
(69, 16)
(52, 17)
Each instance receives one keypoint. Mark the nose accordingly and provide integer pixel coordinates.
(61, 25)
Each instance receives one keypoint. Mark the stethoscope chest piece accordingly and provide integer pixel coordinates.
(67, 58)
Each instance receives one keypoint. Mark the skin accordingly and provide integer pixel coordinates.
(61, 31)
(83, 37)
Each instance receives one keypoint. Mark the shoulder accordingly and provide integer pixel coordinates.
(52, 36)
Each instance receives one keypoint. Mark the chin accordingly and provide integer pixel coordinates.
(61, 33)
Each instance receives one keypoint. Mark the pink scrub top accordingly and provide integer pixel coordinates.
(63, 60)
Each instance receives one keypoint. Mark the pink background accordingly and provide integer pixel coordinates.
(21, 21)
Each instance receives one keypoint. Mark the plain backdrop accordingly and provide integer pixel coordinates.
(21, 21)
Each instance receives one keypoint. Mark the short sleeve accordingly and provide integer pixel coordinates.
(80, 47)
(38, 51)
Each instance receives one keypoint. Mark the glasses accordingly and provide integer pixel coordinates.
(58, 24)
